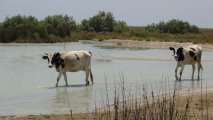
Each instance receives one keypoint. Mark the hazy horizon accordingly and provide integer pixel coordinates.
(134, 13)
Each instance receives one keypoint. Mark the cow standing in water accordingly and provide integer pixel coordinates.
(188, 55)
(70, 61)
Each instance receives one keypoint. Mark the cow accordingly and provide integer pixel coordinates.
(70, 61)
(188, 55)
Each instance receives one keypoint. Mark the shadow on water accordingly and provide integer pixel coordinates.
(190, 80)
(72, 86)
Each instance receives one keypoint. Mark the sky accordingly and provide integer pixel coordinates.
(133, 12)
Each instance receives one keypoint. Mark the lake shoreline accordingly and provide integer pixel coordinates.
(133, 44)
(117, 43)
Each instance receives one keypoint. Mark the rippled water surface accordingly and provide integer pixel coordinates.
(27, 84)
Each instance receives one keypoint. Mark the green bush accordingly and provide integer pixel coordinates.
(173, 27)
(27, 28)
(120, 27)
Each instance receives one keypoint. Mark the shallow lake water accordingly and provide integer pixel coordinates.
(27, 84)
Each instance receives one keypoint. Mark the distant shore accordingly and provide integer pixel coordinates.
(117, 43)
(133, 44)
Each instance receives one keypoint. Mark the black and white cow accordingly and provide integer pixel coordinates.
(70, 61)
(188, 55)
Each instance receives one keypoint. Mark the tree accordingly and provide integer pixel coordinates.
(101, 22)
(85, 26)
(109, 22)
(59, 25)
(120, 27)
(173, 26)
(18, 27)
(97, 22)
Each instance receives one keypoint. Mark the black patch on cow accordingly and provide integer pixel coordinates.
(193, 49)
(173, 49)
(56, 59)
(195, 58)
(180, 54)
(191, 53)
(77, 57)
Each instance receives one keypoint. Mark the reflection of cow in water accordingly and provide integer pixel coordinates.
(188, 55)
(70, 61)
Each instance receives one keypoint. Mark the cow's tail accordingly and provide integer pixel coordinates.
(201, 67)
(200, 55)
(91, 76)
(90, 72)
(90, 53)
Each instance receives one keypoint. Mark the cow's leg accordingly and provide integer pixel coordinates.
(176, 69)
(58, 78)
(91, 76)
(65, 78)
(193, 71)
(181, 71)
(87, 76)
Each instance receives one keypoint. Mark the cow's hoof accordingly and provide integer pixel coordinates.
(87, 83)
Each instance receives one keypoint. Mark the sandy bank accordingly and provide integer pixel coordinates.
(114, 43)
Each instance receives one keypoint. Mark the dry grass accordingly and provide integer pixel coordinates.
(173, 105)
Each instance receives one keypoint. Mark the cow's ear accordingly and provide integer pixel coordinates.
(44, 57)
(173, 49)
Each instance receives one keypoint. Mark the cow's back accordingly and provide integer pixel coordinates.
(76, 60)
(192, 54)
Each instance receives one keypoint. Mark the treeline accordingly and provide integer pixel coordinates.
(173, 27)
(28, 28)
(55, 28)
(59, 28)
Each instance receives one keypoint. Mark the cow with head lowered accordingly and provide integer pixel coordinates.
(188, 55)
(70, 61)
